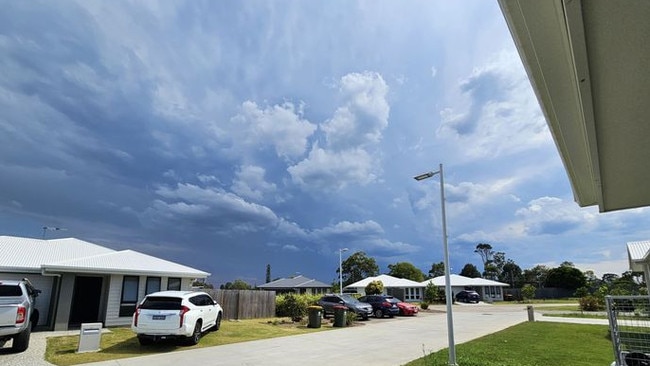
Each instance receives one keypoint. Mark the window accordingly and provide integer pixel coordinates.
(174, 283)
(153, 285)
(129, 295)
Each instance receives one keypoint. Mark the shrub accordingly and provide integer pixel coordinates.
(375, 288)
(424, 305)
(350, 317)
(528, 292)
(591, 303)
(291, 305)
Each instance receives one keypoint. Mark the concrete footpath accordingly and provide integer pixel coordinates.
(378, 342)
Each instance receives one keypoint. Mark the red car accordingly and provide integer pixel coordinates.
(404, 307)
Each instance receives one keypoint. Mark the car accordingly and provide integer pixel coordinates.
(404, 307)
(328, 302)
(381, 305)
(18, 313)
(468, 296)
(183, 315)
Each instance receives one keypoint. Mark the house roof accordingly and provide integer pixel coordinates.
(74, 255)
(387, 281)
(295, 282)
(587, 63)
(459, 281)
(638, 253)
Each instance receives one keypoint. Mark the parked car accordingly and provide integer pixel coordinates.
(176, 315)
(468, 296)
(381, 305)
(18, 314)
(404, 307)
(328, 302)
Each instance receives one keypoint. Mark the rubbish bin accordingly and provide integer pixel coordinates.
(531, 313)
(340, 315)
(315, 313)
(89, 337)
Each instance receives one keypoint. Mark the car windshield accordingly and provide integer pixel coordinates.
(393, 300)
(349, 299)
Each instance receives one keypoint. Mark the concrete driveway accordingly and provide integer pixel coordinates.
(378, 342)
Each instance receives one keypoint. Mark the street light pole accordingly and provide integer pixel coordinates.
(341, 270)
(450, 318)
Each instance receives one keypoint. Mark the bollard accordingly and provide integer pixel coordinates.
(531, 313)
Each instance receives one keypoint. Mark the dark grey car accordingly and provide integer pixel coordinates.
(328, 302)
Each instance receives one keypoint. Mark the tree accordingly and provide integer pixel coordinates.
(470, 270)
(405, 270)
(566, 277)
(536, 275)
(437, 269)
(511, 273)
(431, 293)
(237, 285)
(357, 267)
(485, 251)
(499, 260)
(268, 273)
(375, 288)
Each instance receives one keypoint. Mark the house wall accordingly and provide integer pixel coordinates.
(115, 297)
(66, 290)
(408, 294)
(40, 282)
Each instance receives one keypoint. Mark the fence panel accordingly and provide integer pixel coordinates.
(245, 304)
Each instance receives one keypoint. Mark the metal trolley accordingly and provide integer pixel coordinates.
(629, 325)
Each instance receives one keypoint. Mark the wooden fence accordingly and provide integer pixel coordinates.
(245, 304)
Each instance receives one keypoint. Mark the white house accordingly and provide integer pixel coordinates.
(488, 289)
(297, 284)
(84, 282)
(638, 253)
(401, 288)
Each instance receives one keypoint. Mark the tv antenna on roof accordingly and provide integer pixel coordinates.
(50, 228)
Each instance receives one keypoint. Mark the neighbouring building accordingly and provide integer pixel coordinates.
(297, 284)
(488, 289)
(638, 253)
(401, 288)
(82, 282)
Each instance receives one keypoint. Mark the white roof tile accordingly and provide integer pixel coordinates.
(74, 255)
(638, 253)
(387, 281)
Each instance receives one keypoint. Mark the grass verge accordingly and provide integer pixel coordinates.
(121, 342)
(532, 344)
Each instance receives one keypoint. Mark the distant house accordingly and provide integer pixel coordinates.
(83, 282)
(488, 289)
(298, 284)
(638, 253)
(401, 288)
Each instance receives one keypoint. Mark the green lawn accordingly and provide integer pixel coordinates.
(122, 343)
(532, 344)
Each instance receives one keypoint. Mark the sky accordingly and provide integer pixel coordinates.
(232, 135)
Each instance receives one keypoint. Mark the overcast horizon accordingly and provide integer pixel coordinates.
(226, 136)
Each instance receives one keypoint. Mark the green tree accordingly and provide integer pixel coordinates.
(491, 272)
(566, 277)
(375, 288)
(485, 251)
(237, 285)
(357, 267)
(470, 270)
(437, 269)
(536, 275)
(431, 293)
(511, 273)
(405, 270)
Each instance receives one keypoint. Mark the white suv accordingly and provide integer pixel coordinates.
(175, 314)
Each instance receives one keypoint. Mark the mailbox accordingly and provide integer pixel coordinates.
(89, 337)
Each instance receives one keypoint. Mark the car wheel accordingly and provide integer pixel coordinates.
(145, 341)
(364, 316)
(196, 335)
(217, 323)
(379, 313)
(21, 340)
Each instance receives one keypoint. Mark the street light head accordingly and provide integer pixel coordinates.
(343, 249)
(424, 176)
